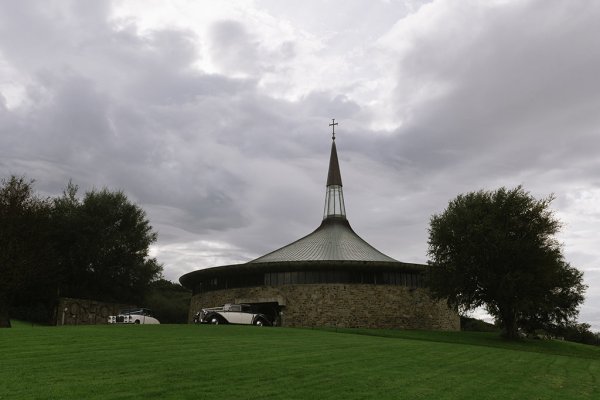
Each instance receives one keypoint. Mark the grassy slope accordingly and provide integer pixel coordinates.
(186, 361)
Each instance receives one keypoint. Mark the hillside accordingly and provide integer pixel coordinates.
(225, 362)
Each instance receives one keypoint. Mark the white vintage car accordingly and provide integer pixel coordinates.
(232, 314)
(133, 316)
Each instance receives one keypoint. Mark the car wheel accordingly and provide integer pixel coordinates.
(137, 321)
(214, 321)
(259, 322)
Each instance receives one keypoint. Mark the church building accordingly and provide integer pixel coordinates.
(331, 277)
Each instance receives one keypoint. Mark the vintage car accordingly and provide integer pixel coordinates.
(133, 316)
(242, 314)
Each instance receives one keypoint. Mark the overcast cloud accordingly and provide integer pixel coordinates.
(213, 116)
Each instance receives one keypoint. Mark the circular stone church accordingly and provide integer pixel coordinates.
(331, 277)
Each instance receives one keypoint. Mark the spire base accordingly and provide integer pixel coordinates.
(334, 203)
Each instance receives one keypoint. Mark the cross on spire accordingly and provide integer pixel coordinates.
(333, 124)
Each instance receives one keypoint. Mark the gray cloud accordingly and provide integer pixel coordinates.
(515, 89)
(233, 48)
(497, 95)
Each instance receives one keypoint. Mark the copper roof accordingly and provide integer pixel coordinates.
(333, 240)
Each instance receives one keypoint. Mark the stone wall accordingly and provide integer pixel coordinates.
(85, 312)
(342, 305)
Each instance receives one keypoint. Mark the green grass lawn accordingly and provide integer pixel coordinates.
(236, 362)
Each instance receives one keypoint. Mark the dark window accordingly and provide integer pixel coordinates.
(407, 279)
(302, 277)
(330, 277)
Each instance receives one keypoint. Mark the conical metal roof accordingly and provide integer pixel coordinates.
(332, 246)
(334, 239)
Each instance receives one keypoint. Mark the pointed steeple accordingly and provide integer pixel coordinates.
(334, 177)
(334, 239)
(334, 196)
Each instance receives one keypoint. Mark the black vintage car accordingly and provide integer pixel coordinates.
(242, 314)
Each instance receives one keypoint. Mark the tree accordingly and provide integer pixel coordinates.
(25, 270)
(96, 248)
(497, 249)
(104, 243)
(579, 333)
(169, 301)
(67, 234)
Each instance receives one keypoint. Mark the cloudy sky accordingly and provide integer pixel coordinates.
(213, 116)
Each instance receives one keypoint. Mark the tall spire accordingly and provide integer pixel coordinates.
(334, 177)
(334, 196)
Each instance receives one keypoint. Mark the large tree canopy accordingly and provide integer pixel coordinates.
(95, 248)
(497, 249)
(24, 243)
(104, 242)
